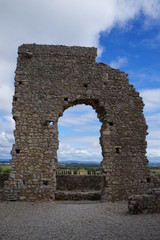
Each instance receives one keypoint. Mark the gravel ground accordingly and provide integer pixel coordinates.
(68, 221)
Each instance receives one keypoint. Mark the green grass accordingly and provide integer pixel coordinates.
(5, 168)
(74, 166)
(154, 171)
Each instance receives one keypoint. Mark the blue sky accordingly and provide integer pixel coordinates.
(127, 35)
(134, 49)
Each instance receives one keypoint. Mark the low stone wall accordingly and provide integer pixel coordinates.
(146, 203)
(153, 181)
(69, 182)
(136, 204)
(3, 177)
(77, 182)
(77, 196)
(149, 202)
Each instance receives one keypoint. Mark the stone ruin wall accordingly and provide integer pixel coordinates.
(50, 79)
(79, 182)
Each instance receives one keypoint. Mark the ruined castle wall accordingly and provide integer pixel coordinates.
(50, 79)
(79, 182)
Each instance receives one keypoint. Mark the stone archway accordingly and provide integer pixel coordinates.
(48, 80)
(79, 136)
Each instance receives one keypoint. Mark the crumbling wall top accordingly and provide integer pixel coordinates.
(59, 50)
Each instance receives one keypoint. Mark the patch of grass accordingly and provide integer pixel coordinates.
(5, 168)
(154, 171)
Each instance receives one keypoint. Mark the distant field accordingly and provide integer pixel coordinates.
(5, 168)
(74, 168)
(77, 166)
(155, 171)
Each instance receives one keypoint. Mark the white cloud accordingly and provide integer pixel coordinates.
(67, 22)
(68, 152)
(154, 153)
(6, 136)
(154, 121)
(83, 141)
(145, 77)
(151, 99)
(79, 132)
(6, 85)
(89, 129)
(153, 140)
(7, 124)
(79, 115)
(5, 99)
(119, 62)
